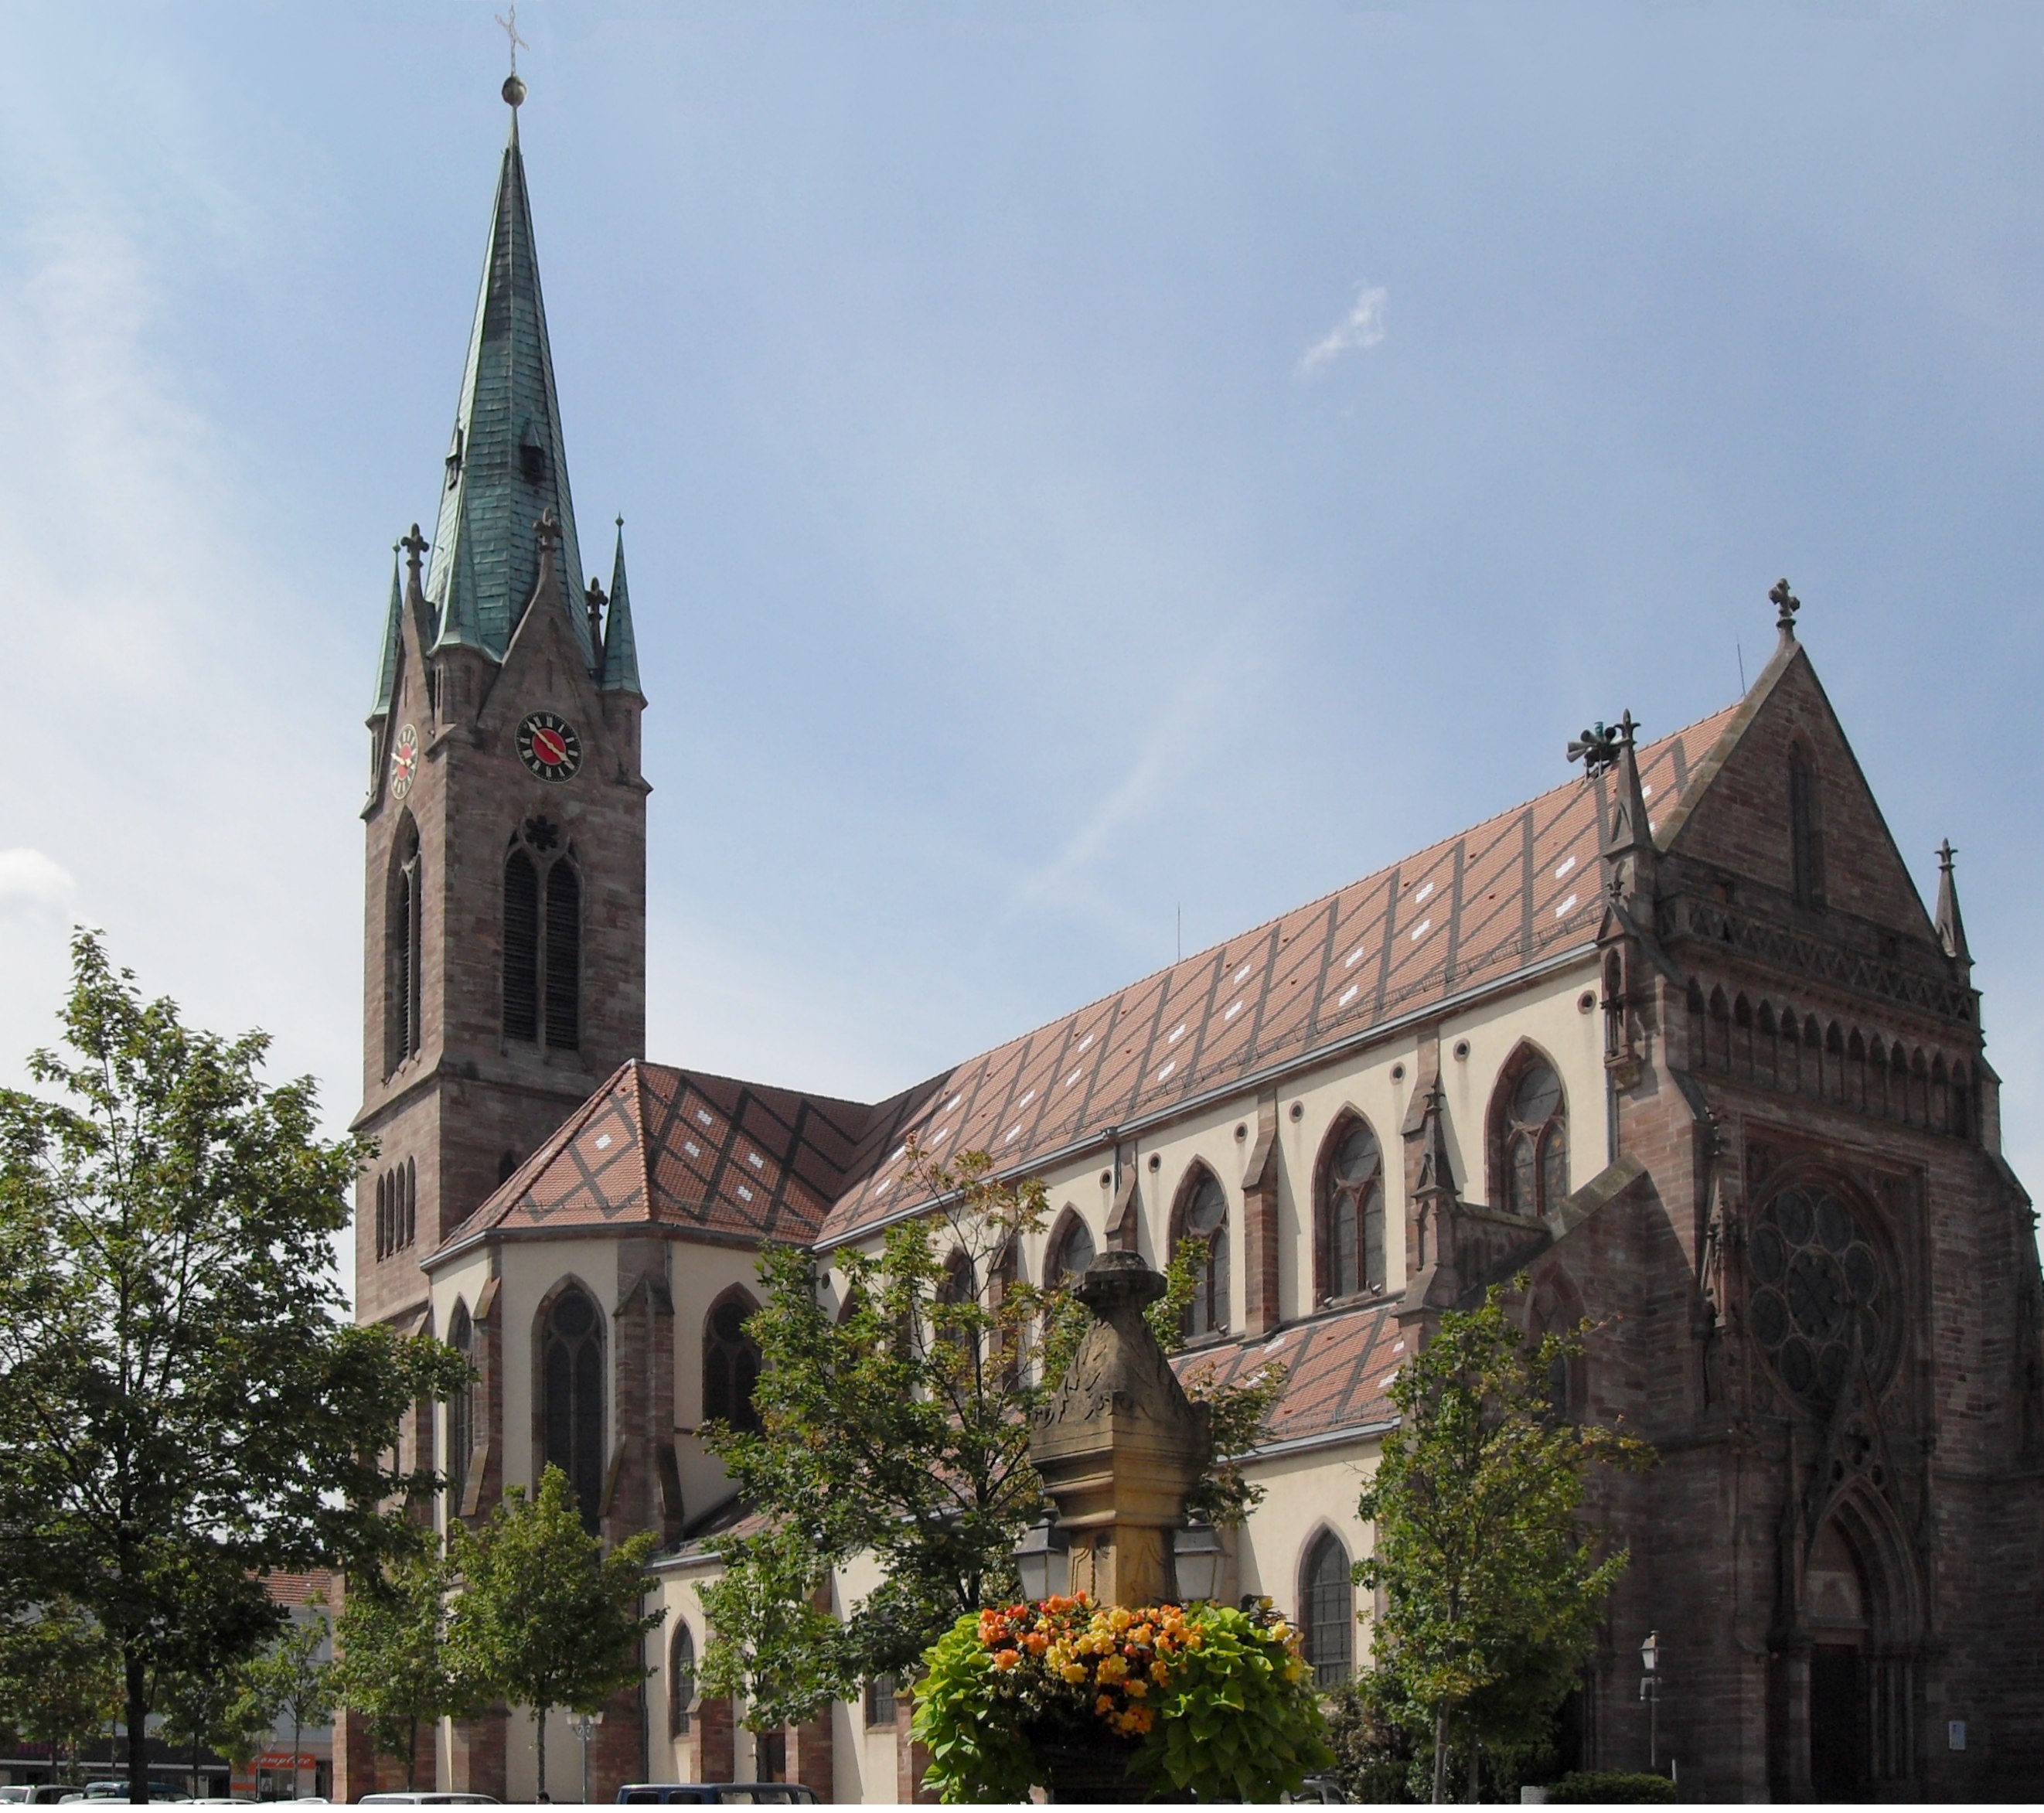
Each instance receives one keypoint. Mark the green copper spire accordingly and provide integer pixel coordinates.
(505, 468)
(386, 665)
(620, 648)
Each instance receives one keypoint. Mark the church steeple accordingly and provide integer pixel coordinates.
(620, 648)
(506, 468)
(1951, 925)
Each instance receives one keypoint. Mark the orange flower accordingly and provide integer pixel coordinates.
(1104, 1705)
(1006, 1659)
(1037, 1642)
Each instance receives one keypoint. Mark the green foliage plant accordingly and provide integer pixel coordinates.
(293, 1679)
(544, 1618)
(184, 1403)
(1588, 1787)
(59, 1679)
(395, 1667)
(899, 1429)
(1491, 1585)
(1204, 1703)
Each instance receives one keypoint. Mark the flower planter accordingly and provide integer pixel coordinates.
(1073, 1773)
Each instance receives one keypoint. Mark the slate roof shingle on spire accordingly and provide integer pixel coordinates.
(506, 466)
(386, 663)
(745, 1162)
(620, 646)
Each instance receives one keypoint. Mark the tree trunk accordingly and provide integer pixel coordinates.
(1476, 1769)
(540, 1725)
(138, 1740)
(295, 1722)
(1441, 1755)
(411, 1757)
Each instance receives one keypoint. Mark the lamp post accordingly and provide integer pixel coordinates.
(1197, 1558)
(586, 1722)
(1649, 1690)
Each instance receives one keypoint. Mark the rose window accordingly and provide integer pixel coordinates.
(1819, 1289)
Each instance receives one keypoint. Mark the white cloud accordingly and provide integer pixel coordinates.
(1361, 329)
(33, 887)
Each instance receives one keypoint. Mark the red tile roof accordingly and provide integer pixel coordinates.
(749, 1162)
(1341, 1366)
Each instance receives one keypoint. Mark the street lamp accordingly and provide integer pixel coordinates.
(1649, 1690)
(1196, 1558)
(584, 1723)
(1044, 1558)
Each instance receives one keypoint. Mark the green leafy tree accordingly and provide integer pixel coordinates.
(545, 1618)
(900, 1430)
(183, 1404)
(59, 1679)
(208, 1708)
(395, 1666)
(294, 1680)
(1491, 1585)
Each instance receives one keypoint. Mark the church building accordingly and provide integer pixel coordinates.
(1677, 1038)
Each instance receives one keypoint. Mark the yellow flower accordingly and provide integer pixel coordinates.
(1135, 1687)
(1143, 1633)
(1074, 1672)
(1160, 1671)
(1295, 1671)
(1111, 1669)
(1121, 1619)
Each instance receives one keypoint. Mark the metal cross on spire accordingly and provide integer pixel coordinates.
(517, 43)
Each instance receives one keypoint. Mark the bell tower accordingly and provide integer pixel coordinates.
(504, 934)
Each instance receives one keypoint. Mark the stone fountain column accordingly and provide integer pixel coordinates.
(1120, 1444)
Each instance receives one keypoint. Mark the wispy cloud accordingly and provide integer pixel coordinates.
(1361, 329)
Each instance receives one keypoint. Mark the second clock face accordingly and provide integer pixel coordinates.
(549, 746)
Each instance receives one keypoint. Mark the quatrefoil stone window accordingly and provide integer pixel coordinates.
(1820, 1294)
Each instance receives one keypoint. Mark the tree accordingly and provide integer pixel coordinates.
(182, 1404)
(545, 1618)
(208, 1708)
(1492, 1588)
(900, 1430)
(396, 1666)
(294, 1680)
(59, 1679)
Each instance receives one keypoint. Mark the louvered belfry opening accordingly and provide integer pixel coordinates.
(401, 1016)
(542, 940)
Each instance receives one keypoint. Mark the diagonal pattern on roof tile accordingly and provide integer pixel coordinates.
(1341, 1367)
(1470, 910)
(747, 1162)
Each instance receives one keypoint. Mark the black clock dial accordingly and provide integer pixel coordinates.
(548, 745)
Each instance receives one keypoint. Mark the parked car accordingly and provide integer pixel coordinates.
(118, 1791)
(719, 1793)
(36, 1793)
(428, 1797)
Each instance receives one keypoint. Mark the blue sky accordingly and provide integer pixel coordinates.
(1084, 464)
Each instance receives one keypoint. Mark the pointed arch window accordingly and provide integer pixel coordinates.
(1072, 1250)
(1349, 1238)
(543, 939)
(461, 1409)
(1806, 847)
(402, 937)
(571, 1389)
(1530, 1138)
(956, 1287)
(731, 1364)
(681, 1681)
(1202, 1215)
(1327, 1608)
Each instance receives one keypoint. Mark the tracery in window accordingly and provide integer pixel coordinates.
(461, 1409)
(681, 1681)
(731, 1363)
(1072, 1250)
(1349, 1235)
(1530, 1138)
(571, 1385)
(1203, 1215)
(1327, 1611)
(542, 939)
(1820, 1294)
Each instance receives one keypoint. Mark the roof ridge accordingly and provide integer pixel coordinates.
(1264, 925)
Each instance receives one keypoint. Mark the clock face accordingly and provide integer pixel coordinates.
(549, 746)
(404, 762)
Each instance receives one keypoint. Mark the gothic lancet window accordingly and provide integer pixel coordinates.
(542, 939)
(1072, 1250)
(401, 940)
(461, 1409)
(1349, 1242)
(731, 1364)
(1805, 834)
(1202, 1215)
(1327, 1611)
(681, 1681)
(1530, 1138)
(571, 1386)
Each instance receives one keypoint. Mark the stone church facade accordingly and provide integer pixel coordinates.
(1678, 1039)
